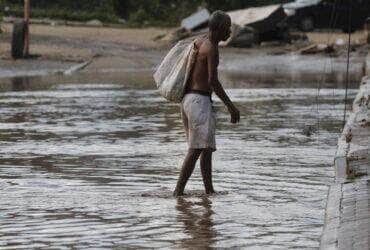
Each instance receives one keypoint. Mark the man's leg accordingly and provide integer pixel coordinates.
(186, 171)
(206, 169)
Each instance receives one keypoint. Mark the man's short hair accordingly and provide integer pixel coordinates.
(217, 19)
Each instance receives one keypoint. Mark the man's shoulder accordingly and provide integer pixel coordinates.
(208, 48)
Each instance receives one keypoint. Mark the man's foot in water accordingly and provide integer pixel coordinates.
(210, 192)
(177, 193)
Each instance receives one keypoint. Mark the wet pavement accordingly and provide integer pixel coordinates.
(94, 165)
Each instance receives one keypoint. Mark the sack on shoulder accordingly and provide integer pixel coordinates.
(173, 73)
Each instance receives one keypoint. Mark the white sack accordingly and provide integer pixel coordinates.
(174, 71)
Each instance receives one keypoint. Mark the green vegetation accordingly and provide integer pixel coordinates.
(81, 10)
(1, 16)
(72, 15)
(1, 12)
(136, 12)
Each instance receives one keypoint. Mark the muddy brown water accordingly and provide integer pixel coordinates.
(93, 165)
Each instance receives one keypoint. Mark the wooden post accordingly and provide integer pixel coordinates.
(27, 22)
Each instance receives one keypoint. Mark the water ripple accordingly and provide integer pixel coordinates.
(93, 166)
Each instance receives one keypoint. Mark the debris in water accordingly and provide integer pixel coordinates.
(349, 136)
(308, 130)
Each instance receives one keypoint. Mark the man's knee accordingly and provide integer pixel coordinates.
(207, 151)
(194, 152)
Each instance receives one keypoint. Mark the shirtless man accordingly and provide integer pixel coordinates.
(196, 107)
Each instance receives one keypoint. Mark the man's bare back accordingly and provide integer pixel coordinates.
(200, 76)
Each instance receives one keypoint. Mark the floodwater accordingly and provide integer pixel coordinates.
(94, 166)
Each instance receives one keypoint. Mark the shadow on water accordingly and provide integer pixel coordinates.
(21, 83)
(196, 217)
(134, 80)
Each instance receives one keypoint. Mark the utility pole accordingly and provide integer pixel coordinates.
(27, 24)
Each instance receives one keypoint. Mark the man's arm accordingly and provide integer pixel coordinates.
(212, 60)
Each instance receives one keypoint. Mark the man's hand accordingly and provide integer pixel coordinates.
(235, 114)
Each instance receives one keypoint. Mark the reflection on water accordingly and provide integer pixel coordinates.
(94, 166)
(197, 219)
(289, 69)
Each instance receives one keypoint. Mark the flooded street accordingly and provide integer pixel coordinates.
(94, 166)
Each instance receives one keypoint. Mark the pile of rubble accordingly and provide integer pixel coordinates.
(249, 26)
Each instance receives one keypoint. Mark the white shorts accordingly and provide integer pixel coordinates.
(199, 121)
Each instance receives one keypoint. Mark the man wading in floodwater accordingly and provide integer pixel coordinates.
(196, 107)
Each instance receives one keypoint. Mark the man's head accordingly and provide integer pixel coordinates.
(219, 24)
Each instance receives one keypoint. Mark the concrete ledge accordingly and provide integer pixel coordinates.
(354, 141)
(347, 216)
(329, 238)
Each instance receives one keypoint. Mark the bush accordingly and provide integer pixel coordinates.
(137, 12)
(158, 12)
(1, 10)
(1, 15)
(65, 14)
(82, 10)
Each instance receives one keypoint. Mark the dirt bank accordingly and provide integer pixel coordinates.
(55, 48)
(80, 43)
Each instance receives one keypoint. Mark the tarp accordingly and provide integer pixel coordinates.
(251, 15)
(300, 4)
(248, 24)
(195, 20)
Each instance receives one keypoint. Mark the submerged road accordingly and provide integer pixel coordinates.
(94, 165)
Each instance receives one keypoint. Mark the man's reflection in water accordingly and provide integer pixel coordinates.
(20, 83)
(197, 220)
